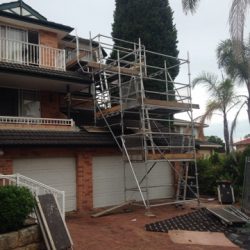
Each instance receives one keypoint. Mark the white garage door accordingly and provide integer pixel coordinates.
(58, 173)
(108, 181)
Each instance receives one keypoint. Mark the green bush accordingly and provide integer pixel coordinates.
(16, 203)
(222, 167)
(209, 172)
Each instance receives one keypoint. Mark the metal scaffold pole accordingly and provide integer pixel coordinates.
(192, 126)
(141, 119)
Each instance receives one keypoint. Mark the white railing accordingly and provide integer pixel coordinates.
(36, 121)
(37, 188)
(32, 54)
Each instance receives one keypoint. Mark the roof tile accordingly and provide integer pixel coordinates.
(29, 69)
(57, 138)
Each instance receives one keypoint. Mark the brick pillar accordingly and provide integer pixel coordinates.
(84, 182)
(6, 166)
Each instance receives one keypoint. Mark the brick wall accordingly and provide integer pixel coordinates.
(48, 57)
(83, 156)
(48, 39)
(6, 166)
(50, 105)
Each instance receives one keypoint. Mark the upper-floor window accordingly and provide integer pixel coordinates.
(18, 45)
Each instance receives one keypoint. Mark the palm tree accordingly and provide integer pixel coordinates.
(190, 5)
(237, 18)
(222, 99)
(237, 70)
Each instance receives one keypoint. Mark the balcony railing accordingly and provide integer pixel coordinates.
(36, 121)
(32, 54)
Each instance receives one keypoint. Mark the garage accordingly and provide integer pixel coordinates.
(109, 181)
(59, 173)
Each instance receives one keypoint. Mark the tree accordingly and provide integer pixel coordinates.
(190, 5)
(238, 70)
(217, 140)
(222, 99)
(152, 22)
(237, 18)
(247, 136)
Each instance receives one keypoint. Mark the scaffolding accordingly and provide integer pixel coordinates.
(136, 100)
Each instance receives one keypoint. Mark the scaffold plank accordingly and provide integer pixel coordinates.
(108, 111)
(171, 157)
(170, 104)
(173, 105)
(109, 68)
(112, 209)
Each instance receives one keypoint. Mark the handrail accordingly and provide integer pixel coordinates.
(32, 54)
(37, 188)
(36, 121)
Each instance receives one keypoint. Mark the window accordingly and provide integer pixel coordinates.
(29, 103)
(19, 46)
(13, 44)
(14, 102)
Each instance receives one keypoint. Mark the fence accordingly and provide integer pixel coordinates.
(35, 187)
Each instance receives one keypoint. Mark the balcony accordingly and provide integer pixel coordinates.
(32, 54)
(30, 123)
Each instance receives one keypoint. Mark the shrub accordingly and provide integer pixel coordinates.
(222, 167)
(209, 173)
(16, 203)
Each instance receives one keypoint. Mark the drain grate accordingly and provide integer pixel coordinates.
(200, 220)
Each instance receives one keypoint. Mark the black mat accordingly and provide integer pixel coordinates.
(200, 220)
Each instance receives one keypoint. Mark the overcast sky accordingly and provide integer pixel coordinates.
(199, 34)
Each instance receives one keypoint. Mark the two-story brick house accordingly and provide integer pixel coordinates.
(43, 96)
(38, 137)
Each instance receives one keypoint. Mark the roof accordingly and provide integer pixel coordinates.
(48, 24)
(180, 122)
(54, 138)
(71, 38)
(43, 72)
(206, 144)
(14, 7)
(34, 17)
(243, 142)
